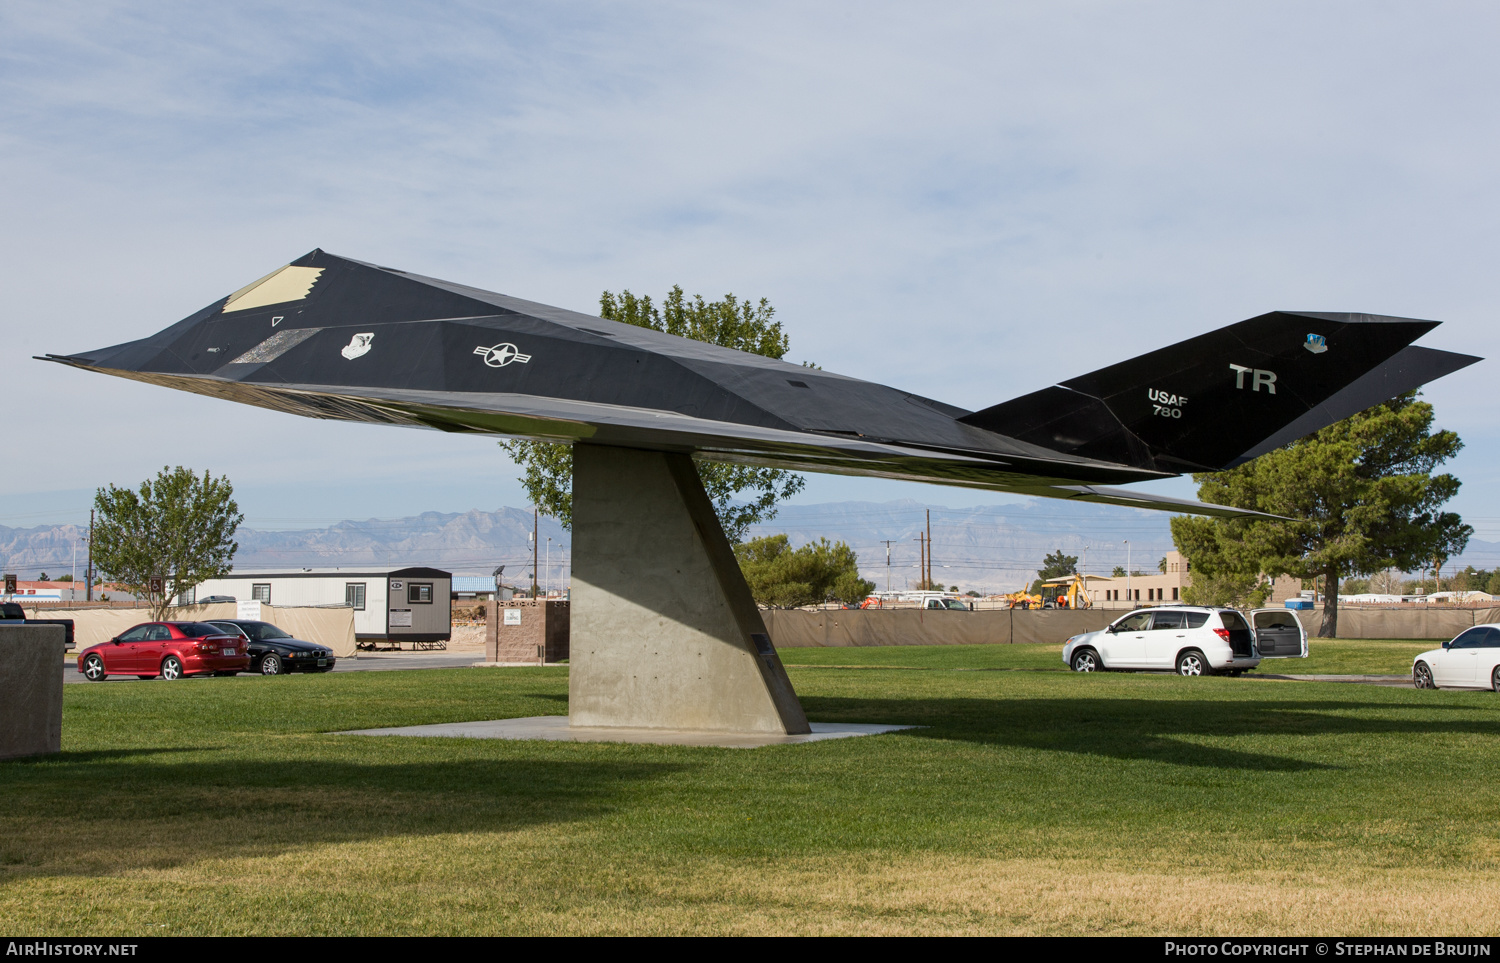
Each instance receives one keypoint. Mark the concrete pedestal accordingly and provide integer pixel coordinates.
(525, 631)
(31, 687)
(665, 633)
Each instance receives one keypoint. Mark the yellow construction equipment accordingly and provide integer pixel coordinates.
(1023, 600)
(1070, 591)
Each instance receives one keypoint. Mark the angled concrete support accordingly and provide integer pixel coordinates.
(665, 634)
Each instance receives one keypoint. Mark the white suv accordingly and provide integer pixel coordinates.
(1187, 639)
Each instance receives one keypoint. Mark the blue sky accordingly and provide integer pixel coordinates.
(970, 201)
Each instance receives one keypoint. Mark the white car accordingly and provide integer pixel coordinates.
(1187, 639)
(1471, 661)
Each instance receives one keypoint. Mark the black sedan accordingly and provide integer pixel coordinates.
(273, 652)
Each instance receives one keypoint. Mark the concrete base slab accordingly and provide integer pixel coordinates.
(556, 729)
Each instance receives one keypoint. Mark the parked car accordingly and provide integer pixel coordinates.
(213, 599)
(1190, 640)
(13, 614)
(1470, 661)
(167, 649)
(274, 652)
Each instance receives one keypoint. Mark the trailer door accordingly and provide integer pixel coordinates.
(1279, 634)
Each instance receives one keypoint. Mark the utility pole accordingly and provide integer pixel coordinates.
(929, 548)
(921, 560)
(888, 564)
(1128, 597)
(549, 566)
(535, 531)
(90, 575)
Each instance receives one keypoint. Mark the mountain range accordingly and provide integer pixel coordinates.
(986, 548)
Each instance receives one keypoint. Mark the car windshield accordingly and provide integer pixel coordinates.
(262, 631)
(197, 630)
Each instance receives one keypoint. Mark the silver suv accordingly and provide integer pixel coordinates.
(1187, 639)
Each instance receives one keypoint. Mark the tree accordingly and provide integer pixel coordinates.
(818, 571)
(1054, 565)
(1119, 572)
(1387, 582)
(1162, 565)
(732, 323)
(1229, 589)
(177, 527)
(1360, 496)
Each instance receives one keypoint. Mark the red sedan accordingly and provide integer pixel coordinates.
(167, 649)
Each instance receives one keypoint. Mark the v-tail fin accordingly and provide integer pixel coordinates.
(1222, 398)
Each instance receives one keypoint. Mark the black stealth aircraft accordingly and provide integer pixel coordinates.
(330, 337)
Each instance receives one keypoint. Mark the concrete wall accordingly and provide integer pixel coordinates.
(333, 627)
(1430, 623)
(853, 627)
(31, 683)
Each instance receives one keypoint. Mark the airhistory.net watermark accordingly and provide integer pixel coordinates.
(67, 948)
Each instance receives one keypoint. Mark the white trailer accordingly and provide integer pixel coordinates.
(406, 604)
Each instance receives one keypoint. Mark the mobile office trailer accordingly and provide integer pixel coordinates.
(411, 604)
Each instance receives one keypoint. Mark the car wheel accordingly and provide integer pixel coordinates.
(93, 669)
(1495, 679)
(1087, 660)
(171, 668)
(1192, 662)
(271, 665)
(1421, 676)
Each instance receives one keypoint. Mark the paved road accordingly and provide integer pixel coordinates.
(367, 662)
(1398, 681)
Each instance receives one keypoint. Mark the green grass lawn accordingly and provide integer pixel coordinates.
(1031, 802)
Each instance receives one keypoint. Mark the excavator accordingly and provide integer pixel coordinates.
(1068, 592)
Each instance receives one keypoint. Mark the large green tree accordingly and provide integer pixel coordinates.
(818, 571)
(742, 495)
(1361, 496)
(176, 527)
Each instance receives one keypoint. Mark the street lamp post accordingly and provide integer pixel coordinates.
(1129, 599)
